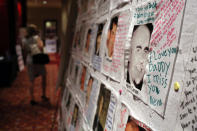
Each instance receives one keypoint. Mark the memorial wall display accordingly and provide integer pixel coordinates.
(132, 67)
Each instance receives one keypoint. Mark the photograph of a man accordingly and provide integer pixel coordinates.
(132, 126)
(102, 109)
(138, 55)
(87, 45)
(83, 74)
(98, 39)
(89, 88)
(111, 37)
(75, 115)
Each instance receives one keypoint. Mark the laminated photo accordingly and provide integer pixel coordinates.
(90, 39)
(85, 84)
(87, 43)
(109, 46)
(111, 35)
(117, 36)
(149, 65)
(102, 109)
(75, 72)
(92, 92)
(82, 77)
(88, 88)
(96, 59)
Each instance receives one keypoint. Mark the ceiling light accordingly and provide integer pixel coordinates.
(48, 24)
(44, 2)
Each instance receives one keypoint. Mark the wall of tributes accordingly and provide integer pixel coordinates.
(132, 67)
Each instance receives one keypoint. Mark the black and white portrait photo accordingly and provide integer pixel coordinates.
(138, 54)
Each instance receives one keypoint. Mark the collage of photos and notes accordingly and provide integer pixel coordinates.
(96, 59)
(102, 109)
(152, 54)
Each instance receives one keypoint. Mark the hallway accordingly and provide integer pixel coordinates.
(17, 114)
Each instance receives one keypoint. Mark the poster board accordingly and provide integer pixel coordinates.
(160, 93)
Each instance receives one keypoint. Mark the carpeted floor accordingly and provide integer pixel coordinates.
(16, 113)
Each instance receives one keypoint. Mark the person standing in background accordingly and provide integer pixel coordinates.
(34, 45)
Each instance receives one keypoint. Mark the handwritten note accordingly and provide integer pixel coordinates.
(111, 113)
(145, 14)
(164, 41)
(123, 113)
(188, 106)
(158, 81)
(121, 37)
(96, 61)
(167, 13)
